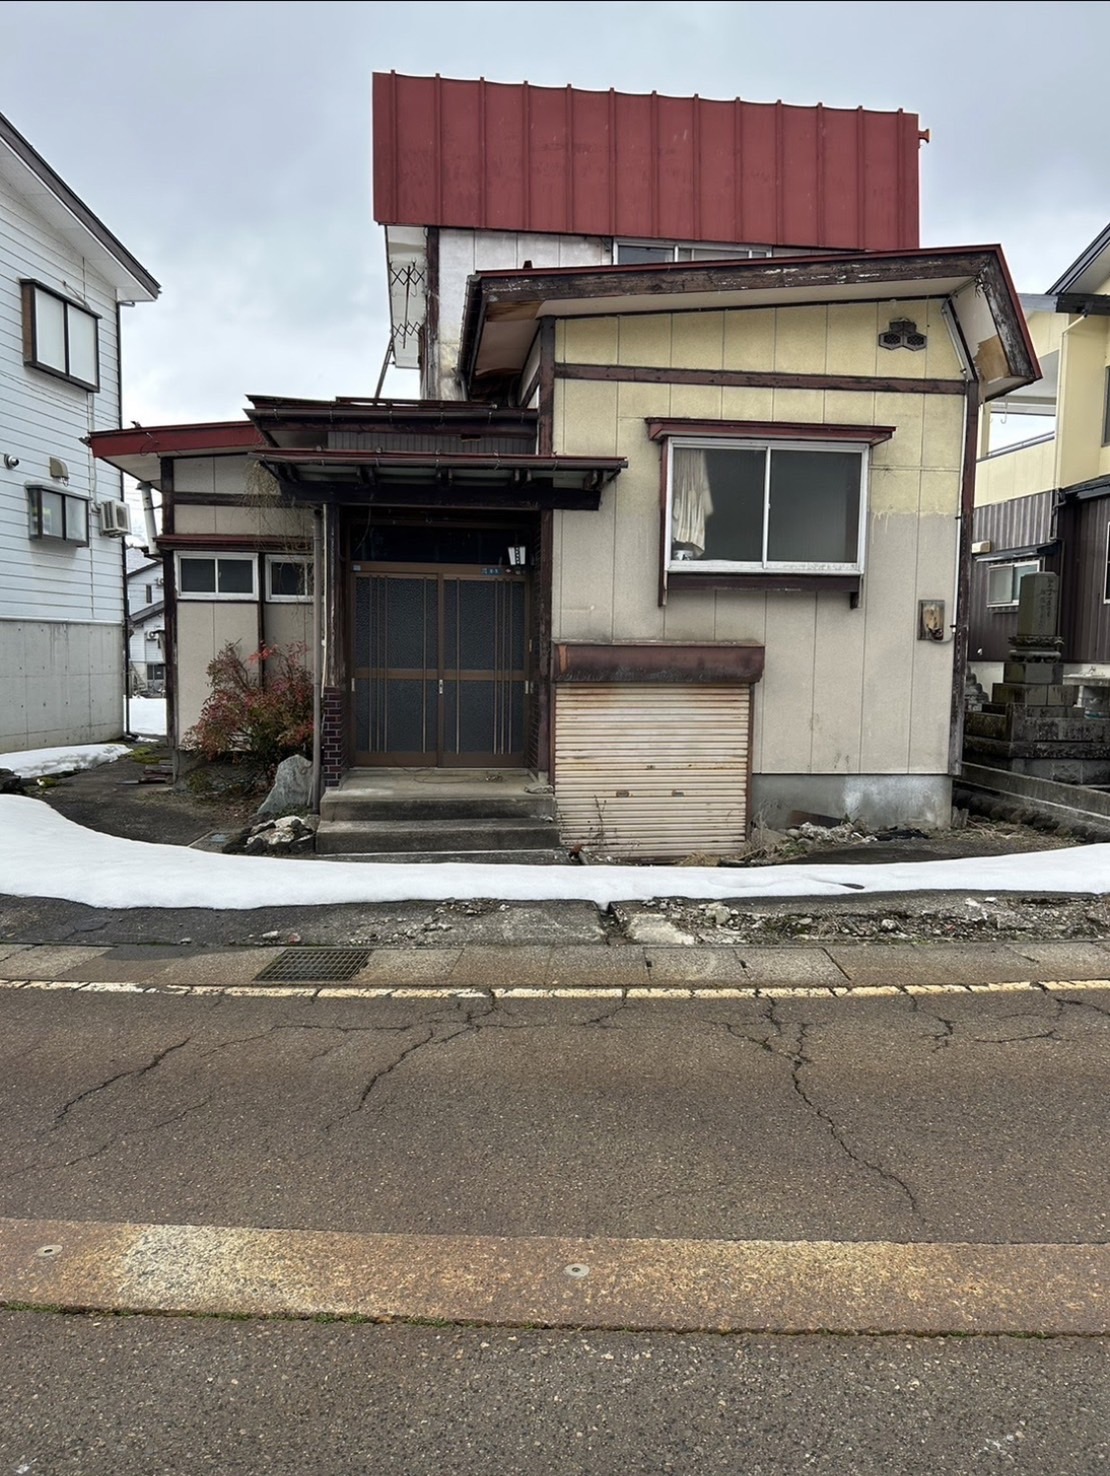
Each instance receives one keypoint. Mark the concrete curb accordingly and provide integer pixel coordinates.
(643, 1285)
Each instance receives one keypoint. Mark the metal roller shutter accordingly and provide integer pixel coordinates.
(653, 770)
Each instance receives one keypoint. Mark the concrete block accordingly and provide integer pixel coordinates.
(697, 966)
(1037, 673)
(783, 965)
(493, 966)
(585, 967)
(1050, 695)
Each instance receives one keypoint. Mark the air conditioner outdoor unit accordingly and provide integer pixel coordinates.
(115, 517)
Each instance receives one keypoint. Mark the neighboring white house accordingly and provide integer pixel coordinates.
(63, 278)
(146, 625)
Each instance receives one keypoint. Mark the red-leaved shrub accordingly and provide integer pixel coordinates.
(260, 706)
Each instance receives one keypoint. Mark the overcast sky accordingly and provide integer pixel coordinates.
(228, 145)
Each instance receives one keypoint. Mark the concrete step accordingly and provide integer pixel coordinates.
(349, 837)
(475, 858)
(437, 803)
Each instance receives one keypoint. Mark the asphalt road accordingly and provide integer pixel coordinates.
(144, 1396)
(926, 1118)
(941, 1117)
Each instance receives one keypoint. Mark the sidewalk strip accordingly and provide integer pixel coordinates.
(643, 1285)
(636, 993)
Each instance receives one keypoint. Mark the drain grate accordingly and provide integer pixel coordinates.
(298, 964)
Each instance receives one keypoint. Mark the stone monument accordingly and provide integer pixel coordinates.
(1032, 725)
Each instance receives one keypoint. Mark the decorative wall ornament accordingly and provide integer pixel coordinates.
(902, 334)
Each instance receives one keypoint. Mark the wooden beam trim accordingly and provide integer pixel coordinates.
(759, 379)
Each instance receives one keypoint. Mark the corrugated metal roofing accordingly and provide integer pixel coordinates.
(513, 157)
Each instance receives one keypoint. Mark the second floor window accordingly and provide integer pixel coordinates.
(60, 336)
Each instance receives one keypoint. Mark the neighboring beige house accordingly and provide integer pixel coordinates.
(1043, 499)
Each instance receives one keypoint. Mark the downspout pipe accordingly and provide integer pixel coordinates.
(317, 634)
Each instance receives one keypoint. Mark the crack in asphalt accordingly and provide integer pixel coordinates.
(799, 1061)
(134, 1074)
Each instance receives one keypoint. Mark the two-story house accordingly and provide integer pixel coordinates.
(63, 280)
(1043, 498)
(683, 522)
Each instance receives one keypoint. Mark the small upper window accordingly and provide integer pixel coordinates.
(1004, 582)
(60, 336)
(203, 576)
(288, 578)
(56, 515)
(649, 253)
(766, 508)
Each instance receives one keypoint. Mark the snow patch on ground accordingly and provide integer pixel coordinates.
(37, 763)
(147, 717)
(44, 855)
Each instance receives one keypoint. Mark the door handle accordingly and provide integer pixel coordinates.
(441, 686)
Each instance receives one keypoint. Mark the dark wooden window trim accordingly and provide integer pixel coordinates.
(776, 430)
(28, 287)
(34, 504)
(849, 584)
(759, 379)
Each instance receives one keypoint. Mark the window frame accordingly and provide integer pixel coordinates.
(241, 597)
(695, 251)
(1032, 566)
(765, 568)
(29, 287)
(305, 560)
(35, 529)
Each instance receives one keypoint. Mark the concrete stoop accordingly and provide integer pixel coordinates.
(436, 815)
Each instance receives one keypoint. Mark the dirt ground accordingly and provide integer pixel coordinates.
(114, 799)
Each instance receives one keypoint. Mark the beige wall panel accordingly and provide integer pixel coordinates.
(288, 625)
(890, 611)
(747, 404)
(589, 417)
(230, 475)
(203, 629)
(803, 406)
(646, 340)
(853, 338)
(785, 694)
(639, 401)
(894, 490)
(267, 520)
(749, 338)
(1082, 360)
(850, 407)
(696, 401)
(940, 493)
(697, 340)
(838, 693)
(584, 576)
(590, 340)
(740, 615)
(907, 414)
(800, 339)
(931, 695)
(942, 432)
(688, 614)
(941, 359)
(195, 474)
(636, 611)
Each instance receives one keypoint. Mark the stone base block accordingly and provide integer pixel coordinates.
(1035, 673)
(1027, 695)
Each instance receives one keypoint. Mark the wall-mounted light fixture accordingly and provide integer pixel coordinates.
(10, 462)
(518, 555)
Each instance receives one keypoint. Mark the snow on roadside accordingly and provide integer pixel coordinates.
(37, 763)
(44, 855)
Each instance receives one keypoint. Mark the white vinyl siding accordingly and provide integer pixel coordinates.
(45, 417)
(653, 770)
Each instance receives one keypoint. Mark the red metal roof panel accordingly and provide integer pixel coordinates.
(512, 157)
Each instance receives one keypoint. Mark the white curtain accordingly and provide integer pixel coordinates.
(691, 499)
